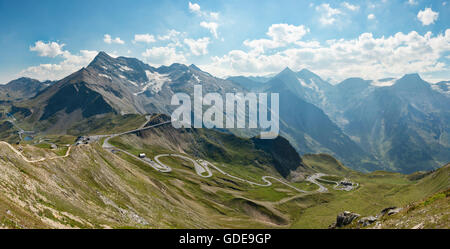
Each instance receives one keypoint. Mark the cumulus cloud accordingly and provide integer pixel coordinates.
(281, 35)
(427, 16)
(328, 14)
(371, 16)
(171, 34)
(210, 18)
(147, 38)
(339, 59)
(108, 39)
(412, 2)
(69, 64)
(198, 47)
(163, 56)
(195, 8)
(211, 26)
(174, 38)
(286, 33)
(50, 49)
(350, 6)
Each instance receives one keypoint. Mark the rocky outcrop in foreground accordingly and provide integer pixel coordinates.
(432, 212)
(346, 218)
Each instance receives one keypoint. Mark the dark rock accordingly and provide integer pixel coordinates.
(394, 211)
(367, 220)
(344, 219)
(386, 210)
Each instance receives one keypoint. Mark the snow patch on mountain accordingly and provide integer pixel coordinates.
(382, 83)
(134, 83)
(155, 82)
(196, 78)
(304, 84)
(105, 76)
(124, 68)
(315, 86)
(312, 85)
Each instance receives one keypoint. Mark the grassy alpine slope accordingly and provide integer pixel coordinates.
(93, 188)
(433, 212)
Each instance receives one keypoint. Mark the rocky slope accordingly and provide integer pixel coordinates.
(430, 212)
(394, 124)
(115, 85)
(404, 125)
(94, 188)
(308, 128)
(219, 146)
(389, 124)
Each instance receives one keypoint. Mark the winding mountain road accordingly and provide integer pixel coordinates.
(13, 120)
(142, 128)
(202, 167)
(313, 178)
(336, 187)
(37, 160)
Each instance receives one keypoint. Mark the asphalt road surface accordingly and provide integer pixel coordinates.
(202, 167)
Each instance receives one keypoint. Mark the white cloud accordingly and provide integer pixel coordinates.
(261, 45)
(211, 26)
(147, 38)
(195, 8)
(70, 64)
(286, 33)
(366, 55)
(371, 16)
(210, 18)
(328, 14)
(198, 47)
(427, 16)
(281, 35)
(412, 2)
(350, 6)
(173, 36)
(163, 56)
(108, 39)
(50, 49)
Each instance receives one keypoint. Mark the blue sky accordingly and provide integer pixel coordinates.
(336, 39)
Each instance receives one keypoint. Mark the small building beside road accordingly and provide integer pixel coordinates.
(346, 183)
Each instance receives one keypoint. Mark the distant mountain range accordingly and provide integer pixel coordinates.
(399, 124)
(22, 88)
(307, 126)
(392, 124)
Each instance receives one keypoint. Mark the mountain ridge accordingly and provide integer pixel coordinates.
(352, 113)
